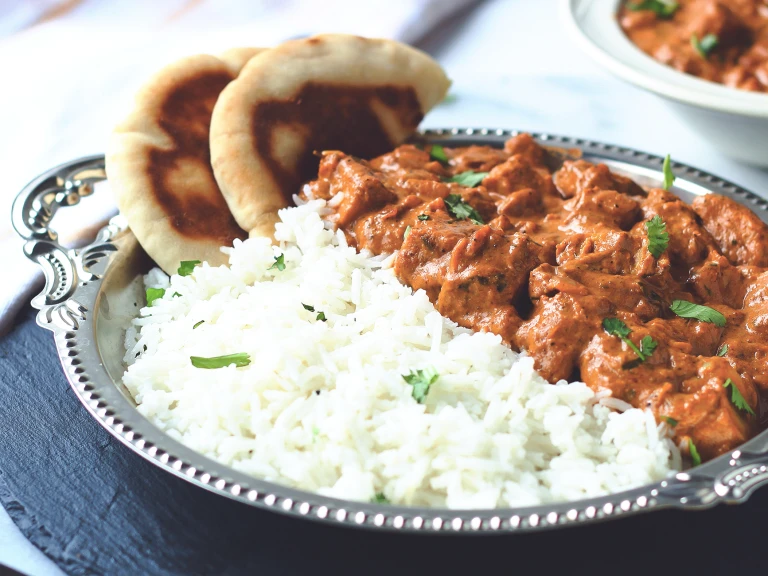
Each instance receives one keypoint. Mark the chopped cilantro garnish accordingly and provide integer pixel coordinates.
(279, 263)
(175, 295)
(240, 359)
(648, 345)
(461, 210)
(737, 399)
(320, 315)
(379, 498)
(669, 176)
(154, 294)
(723, 350)
(470, 179)
(616, 327)
(705, 45)
(669, 420)
(423, 217)
(407, 232)
(658, 237)
(437, 152)
(694, 453)
(186, 267)
(662, 8)
(197, 324)
(421, 380)
(686, 309)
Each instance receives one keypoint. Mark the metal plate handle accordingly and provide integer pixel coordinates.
(33, 210)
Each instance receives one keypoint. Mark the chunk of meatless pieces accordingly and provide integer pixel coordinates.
(717, 281)
(578, 175)
(466, 268)
(476, 159)
(517, 173)
(593, 206)
(689, 242)
(673, 384)
(361, 188)
(524, 145)
(559, 329)
(740, 234)
(555, 256)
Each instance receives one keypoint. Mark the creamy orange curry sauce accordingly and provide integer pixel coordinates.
(560, 263)
(719, 40)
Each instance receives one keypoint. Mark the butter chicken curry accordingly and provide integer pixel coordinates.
(719, 40)
(629, 290)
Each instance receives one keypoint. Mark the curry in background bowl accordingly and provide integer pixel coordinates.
(723, 41)
(719, 45)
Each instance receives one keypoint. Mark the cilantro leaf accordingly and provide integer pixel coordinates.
(421, 380)
(694, 453)
(279, 263)
(423, 217)
(240, 359)
(320, 315)
(669, 420)
(686, 309)
(669, 176)
(379, 498)
(738, 400)
(461, 210)
(616, 327)
(705, 45)
(197, 324)
(723, 350)
(186, 267)
(662, 8)
(648, 345)
(658, 237)
(175, 295)
(407, 232)
(437, 152)
(470, 178)
(154, 294)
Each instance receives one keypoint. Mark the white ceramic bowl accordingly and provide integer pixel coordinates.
(734, 121)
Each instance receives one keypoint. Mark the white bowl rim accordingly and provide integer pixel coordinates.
(594, 25)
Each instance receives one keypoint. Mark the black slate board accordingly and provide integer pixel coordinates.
(96, 508)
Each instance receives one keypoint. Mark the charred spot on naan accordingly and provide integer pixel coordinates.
(318, 118)
(185, 117)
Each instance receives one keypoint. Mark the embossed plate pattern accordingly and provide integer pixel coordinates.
(91, 294)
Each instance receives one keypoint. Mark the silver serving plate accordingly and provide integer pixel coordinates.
(91, 295)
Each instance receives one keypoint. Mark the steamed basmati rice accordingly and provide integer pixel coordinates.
(323, 405)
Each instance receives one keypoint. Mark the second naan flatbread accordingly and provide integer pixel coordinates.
(360, 95)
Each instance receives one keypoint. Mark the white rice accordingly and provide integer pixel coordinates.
(323, 406)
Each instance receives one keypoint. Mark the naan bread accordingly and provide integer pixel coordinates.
(237, 58)
(360, 95)
(158, 163)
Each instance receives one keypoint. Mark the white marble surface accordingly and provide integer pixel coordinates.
(513, 67)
